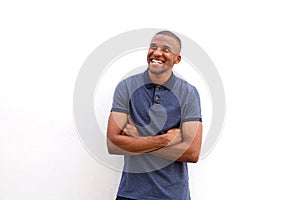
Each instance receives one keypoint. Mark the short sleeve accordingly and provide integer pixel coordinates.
(192, 106)
(121, 98)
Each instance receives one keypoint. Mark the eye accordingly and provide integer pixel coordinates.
(166, 49)
(153, 47)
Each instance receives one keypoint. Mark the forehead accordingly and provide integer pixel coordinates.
(165, 40)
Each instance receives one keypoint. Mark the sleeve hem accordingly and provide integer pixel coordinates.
(119, 110)
(192, 119)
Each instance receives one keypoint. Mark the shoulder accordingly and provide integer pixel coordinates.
(131, 83)
(183, 85)
(133, 78)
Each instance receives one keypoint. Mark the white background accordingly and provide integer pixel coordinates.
(255, 46)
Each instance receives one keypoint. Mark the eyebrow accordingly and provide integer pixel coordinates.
(164, 46)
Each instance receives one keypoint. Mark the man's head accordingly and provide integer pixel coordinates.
(172, 35)
(164, 52)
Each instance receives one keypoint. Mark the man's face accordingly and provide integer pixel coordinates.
(163, 53)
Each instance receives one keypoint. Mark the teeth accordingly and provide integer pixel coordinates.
(156, 61)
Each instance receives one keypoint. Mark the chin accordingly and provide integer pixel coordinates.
(158, 71)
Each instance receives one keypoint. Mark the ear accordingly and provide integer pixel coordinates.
(177, 59)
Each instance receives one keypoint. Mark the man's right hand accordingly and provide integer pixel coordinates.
(174, 135)
(130, 130)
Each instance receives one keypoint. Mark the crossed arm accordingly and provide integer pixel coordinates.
(181, 145)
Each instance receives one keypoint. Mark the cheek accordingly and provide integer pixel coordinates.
(150, 52)
(172, 59)
(148, 55)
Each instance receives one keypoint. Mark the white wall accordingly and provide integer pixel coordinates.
(254, 45)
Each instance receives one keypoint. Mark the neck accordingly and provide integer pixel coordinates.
(160, 78)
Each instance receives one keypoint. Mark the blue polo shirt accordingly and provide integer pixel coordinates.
(155, 109)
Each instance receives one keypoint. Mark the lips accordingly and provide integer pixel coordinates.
(156, 61)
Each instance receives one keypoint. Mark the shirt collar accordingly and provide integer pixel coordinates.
(149, 84)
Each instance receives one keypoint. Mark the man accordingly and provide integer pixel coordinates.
(155, 122)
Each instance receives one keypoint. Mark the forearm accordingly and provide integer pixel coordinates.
(125, 140)
(179, 152)
(118, 142)
(126, 145)
(189, 149)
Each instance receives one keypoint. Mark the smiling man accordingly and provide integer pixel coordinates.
(156, 123)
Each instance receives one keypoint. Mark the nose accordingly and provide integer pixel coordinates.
(157, 52)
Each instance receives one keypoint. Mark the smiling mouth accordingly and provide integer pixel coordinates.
(155, 61)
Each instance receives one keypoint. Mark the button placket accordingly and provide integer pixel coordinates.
(157, 94)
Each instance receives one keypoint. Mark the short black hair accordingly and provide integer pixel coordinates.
(171, 34)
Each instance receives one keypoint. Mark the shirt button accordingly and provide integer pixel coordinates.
(157, 88)
(156, 97)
